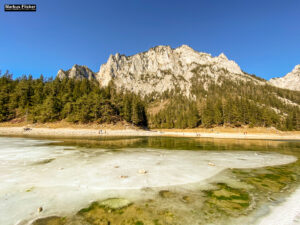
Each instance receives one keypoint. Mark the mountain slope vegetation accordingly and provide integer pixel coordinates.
(230, 103)
(221, 102)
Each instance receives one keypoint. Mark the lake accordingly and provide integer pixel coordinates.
(149, 180)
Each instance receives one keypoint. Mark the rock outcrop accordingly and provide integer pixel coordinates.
(77, 72)
(160, 69)
(289, 81)
(163, 68)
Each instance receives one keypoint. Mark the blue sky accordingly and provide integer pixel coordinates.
(263, 37)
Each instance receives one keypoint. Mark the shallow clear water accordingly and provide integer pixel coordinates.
(166, 180)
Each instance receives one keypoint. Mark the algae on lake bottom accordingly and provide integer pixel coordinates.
(129, 214)
(52, 220)
(230, 200)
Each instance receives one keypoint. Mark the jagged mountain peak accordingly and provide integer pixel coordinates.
(164, 53)
(296, 69)
(161, 48)
(159, 69)
(289, 81)
(223, 56)
(76, 66)
(77, 72)
(186, 48)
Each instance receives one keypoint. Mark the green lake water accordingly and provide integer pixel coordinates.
(231, 197)
(235, 196)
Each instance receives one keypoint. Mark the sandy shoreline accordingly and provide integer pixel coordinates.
(77, 132)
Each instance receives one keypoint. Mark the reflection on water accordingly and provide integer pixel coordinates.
(181, 143)
(234, 196)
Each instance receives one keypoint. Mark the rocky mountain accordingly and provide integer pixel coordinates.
(166, 88)
(162, 68)
(179, 82)
(77, 72)
(289, 81)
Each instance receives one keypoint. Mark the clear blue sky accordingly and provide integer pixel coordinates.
(262, 36)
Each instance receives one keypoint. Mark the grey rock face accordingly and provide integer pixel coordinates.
(289, 81)
(77, 72)
(162, 68)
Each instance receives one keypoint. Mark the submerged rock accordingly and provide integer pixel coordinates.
(211, 164)
(166, 194)
(142, 171)
(52, 220)
(42, 162)
(40, 209)
(115, 203)
(186, 199)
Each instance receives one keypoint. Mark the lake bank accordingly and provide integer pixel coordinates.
(233, 133)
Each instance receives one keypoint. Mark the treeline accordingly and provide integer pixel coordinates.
(40, 100)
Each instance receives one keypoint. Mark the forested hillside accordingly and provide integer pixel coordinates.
(39, 100)
(231, 103)
(225, 102)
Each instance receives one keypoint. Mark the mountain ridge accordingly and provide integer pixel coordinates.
(163, 68)
(289, 81)
(77, 71)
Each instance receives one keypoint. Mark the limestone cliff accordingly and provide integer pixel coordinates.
(162, 68)
(289, 81)
(77, 72)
